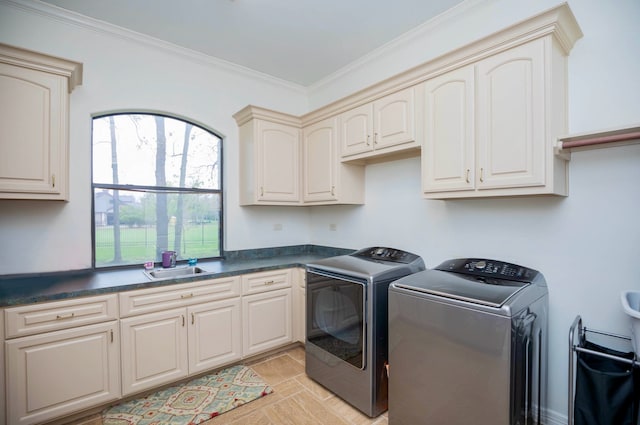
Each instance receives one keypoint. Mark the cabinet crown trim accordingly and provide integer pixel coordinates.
(251, 112)
(42, 62)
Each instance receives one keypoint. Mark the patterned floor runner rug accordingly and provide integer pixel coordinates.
(193, 402)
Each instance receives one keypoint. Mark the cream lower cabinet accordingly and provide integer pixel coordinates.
(154, 350)
(163, 347)
(327, 180)
(299, 304)
(168, 344)
(266, 311)
(386, 125)
(215, 334)
(54, 373)
(490, 128)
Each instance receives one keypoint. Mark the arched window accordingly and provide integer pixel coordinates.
(157, 186)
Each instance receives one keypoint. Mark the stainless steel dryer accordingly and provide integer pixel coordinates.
(467, 344)
(346, 340)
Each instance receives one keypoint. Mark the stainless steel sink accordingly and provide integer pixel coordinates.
(174, 272)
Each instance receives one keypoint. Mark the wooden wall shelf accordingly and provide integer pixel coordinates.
(619, 136)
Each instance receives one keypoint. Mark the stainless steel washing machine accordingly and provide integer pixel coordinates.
(467, 344)
(346, 339)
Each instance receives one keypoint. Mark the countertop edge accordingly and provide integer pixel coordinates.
(36, 289)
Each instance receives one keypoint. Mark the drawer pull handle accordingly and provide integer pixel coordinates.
(193, 318)
(65, 316)
(270, 282)
(186, 296)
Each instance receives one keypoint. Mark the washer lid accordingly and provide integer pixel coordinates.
(475, 289)
(373, 264)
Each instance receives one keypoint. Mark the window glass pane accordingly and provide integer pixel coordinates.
(153, 150)
(157, 187)
(134, 227)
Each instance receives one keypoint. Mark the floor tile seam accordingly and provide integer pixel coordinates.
(322, 399)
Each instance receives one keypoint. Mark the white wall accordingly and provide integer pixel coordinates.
(122, 73)
(587, 244)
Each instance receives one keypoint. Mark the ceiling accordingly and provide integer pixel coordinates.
(300, 41)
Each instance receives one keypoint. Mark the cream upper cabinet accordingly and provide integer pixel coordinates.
(34, 121)
(270, 156)
(357, 130)
(490, 127)
(383, 126)
(326, 180)
(511, 136)
(448, 151)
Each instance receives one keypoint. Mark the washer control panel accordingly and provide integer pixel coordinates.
(489, 269)
(386, 254)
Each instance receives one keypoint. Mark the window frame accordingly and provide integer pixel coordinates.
(146, 188)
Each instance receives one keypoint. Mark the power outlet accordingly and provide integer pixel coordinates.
(277, 227)
(333, 227)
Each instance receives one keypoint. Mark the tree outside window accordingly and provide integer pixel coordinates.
(156, 187)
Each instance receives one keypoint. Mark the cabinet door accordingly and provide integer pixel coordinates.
(57, 373)
(356, 128)
(154, 350)
(394, 118)
(278, 162)
(215, 331)
(447, 154)
(511, 122)
(320, 144)
(33, 130)
(266, 321)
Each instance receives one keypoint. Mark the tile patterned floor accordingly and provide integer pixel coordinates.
(296, 400)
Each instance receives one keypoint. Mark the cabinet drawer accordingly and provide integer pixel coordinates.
(266, 281)
(57, 315)
(163, 298)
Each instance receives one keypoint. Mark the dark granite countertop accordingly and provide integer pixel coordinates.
(29, 289)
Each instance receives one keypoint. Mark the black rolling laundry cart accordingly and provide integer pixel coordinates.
(606, 390)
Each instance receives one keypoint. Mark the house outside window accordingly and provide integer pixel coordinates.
(157, 186)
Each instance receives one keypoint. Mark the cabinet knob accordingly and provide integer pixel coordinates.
(481, 175)
(269, 282)
(333, 191)
(65, 316)
(467, 177)
(375, 138)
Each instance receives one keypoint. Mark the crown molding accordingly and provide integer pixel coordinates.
(90, 24)
(405, 38)
(557, 22)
